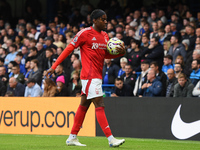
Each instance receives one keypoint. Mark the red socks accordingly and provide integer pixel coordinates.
(102, 120)
(78, 120)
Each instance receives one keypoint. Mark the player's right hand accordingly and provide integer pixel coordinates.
(49, 72)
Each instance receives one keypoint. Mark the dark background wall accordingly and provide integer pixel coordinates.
(148, 117)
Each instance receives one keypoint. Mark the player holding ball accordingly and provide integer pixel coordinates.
(93, 46)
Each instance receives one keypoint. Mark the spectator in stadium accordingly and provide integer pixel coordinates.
(152, 88)
(75, 86)
(155, 30)
(179, 59)
(59, 71)
(173, 28)
(184, 87)
(3, 75)
(155, 52)
(146, 29)
(176, 49)
(11, 56)
(134, 56)
(110, 72)
(188, 68)
(122, 89)
(161, 35)
(76, 66)
(2, 88)
(47, 62)
(186, 43)
(196, 90)
(178, 69)
(49, 43)
(16, 87)
(35, 72)
(168, 32)
(142, 77)
(57, 42)
(123, 62)
(18, 60)
(9, 94)
(25, 53)
(28, 69)
(167, 63)
(161, 76)
(3, 53)
(33, 54)
(32, 89)
(166, 46)
(49, 88)
(161, 16)
(61, 87)
(153, 17)
(195, 75)
(43, 32)
(171, 81)
(128, 77)
(145, 43)
(40, 48)
(10, 65)
(16, 73)
(73, 57)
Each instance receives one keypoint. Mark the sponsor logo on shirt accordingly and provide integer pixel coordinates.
(98, 46)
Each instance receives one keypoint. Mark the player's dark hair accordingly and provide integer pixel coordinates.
(97, 13)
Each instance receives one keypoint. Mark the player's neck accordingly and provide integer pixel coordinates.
(95, 28)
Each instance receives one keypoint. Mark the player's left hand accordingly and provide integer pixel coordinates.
(121, 49)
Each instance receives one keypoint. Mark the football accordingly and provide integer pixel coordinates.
(112, 44)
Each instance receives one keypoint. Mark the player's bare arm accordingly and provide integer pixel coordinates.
(49, 72)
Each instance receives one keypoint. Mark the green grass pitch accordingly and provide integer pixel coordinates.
(44, 142)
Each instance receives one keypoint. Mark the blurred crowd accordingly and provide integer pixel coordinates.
(162, 52)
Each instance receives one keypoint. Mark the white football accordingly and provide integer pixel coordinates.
(112, 44)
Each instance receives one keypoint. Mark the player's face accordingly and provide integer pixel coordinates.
(101, 22)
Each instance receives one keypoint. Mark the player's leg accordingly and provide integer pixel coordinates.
(78, 121)
(102, 120)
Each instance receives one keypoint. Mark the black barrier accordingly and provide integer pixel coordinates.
(152, 117)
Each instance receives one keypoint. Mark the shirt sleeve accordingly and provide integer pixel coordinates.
(79, 39)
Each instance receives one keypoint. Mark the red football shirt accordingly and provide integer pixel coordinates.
(93, 51)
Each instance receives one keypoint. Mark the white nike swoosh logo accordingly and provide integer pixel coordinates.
(183, 130)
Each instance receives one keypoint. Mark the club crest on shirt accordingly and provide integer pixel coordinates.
(75, 39)
(97, 90)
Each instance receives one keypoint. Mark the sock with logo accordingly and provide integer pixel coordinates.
(78, 120)
(102, 120)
